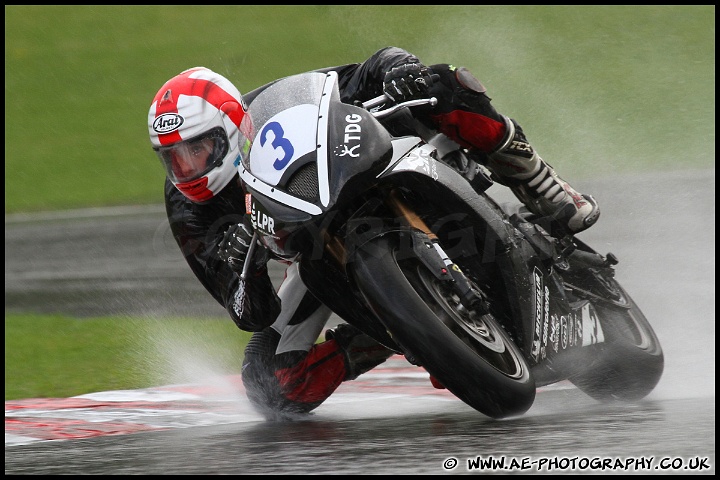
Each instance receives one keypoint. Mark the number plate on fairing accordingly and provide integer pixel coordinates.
(282, 140)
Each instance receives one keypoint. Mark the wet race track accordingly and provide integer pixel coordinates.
(391, 420)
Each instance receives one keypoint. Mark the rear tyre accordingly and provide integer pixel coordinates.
(629, 363)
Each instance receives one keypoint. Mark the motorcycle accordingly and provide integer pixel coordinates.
(398, 236)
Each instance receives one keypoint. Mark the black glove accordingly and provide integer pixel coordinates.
(234, 246)
(408, 82)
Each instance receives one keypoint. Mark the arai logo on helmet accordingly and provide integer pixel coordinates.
(167, 122)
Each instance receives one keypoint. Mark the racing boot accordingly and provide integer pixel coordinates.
(516, 164)
(361, 352)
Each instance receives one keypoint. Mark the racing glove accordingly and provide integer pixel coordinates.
(408, 82)
(234, 246)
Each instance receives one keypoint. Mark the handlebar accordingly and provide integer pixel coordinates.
(372, 105)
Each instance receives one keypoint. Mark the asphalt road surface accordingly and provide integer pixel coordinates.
(123, 262)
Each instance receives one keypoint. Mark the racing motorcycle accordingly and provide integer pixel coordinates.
(398, 235)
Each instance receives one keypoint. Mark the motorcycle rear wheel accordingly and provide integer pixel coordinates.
(469, 353)
(629, 364)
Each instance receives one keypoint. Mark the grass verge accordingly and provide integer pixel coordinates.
(60, 356)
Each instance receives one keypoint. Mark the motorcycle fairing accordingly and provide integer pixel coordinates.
(308, 147)
(277, 151)
(310, 128)
(559, 325)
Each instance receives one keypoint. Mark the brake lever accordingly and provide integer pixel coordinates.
(382, 99)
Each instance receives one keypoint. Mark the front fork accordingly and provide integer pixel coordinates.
(427, 247)
(469, 297)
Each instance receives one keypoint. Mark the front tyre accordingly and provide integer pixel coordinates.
(469, 353)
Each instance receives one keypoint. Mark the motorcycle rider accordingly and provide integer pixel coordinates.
(199, 125)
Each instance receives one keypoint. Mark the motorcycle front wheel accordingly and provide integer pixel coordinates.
(468, 352)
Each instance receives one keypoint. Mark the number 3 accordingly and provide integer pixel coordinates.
(278, 142)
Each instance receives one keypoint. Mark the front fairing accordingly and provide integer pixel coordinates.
(307, 146)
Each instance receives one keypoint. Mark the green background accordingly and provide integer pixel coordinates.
(599, 90)
(60, 356)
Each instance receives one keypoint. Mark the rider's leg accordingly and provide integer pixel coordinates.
(285, 371)
(360, 351)
(465, 114)
(536, 184)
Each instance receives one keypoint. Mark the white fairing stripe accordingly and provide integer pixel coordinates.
(322, 140)
(275, 194)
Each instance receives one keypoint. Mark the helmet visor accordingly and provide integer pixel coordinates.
(191, 159)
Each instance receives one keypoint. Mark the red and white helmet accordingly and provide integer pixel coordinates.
(200, 129)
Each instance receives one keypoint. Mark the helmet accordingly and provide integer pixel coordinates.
(200, 129)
